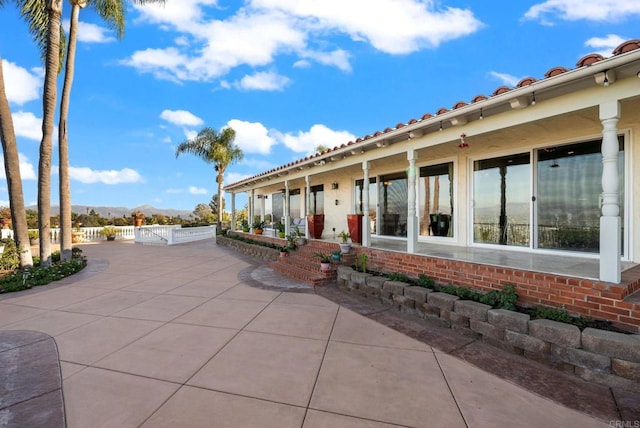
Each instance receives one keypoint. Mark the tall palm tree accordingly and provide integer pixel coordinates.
(49, 96)
(14, 179)
(216, 148)
(36, 15)
(113, 13)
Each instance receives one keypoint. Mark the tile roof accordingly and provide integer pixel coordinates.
(585, 61)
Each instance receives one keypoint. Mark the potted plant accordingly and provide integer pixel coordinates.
(299, 237)
(280, 229)
(5, 217)
(345, 245)
(258, 226)
(109, 232)
(284, 251)
(34, 234)
(138, 218)
(336, 256)
(244, 225)
(77, 235)
(325, 260)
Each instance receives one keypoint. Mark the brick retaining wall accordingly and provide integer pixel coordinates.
(605, 357)
(590, 298)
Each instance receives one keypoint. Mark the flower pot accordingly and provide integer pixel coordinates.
(354, 222)
(345, 247)
(283, 254)
(111, 238)
(33, 241)
(325, 266)
(77, 237)
(257, 231)
(315, 223)
(137, 222)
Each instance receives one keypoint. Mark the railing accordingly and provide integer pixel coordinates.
(89, 234)
(171, 235)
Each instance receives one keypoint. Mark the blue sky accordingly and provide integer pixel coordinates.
(287, 75)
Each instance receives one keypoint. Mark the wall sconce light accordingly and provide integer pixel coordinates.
(533, 98)
(334, 185)
(605, 78)
(440, 129)
(337, 202)
(481, 115)
(463, 144)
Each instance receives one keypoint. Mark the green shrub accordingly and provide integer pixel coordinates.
(10, 259)
(425, 281)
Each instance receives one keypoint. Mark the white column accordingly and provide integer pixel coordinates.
(610, 239)
(233, 211)
(412, 219)
(262, 206)
(287, 211)
(251, 209)
(307, 203)
(307, 199)
(366, 228)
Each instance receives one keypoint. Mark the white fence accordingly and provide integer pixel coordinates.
(171, 235)
(159, 235)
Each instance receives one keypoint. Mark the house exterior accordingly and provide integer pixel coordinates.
(550, 167)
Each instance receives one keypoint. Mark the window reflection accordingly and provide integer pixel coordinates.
(436, 200)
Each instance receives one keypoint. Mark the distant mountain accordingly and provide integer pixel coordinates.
(109, 212)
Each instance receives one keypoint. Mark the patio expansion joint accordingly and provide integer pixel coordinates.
(453, 396)
(324, 354)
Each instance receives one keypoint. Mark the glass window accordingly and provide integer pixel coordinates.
(372, 202)
(277, 206)
(435, 193)
(568, 201)
(392, 199)
(501, 200)
(316, 199)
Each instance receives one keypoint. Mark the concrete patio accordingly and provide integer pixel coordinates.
(196, 335)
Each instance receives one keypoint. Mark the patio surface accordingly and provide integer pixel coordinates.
(196, 335)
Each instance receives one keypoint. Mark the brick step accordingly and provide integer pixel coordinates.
(315, 278)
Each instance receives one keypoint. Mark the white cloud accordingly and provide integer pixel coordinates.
(506, 79)
(90, 33)
(27, 171)
(189, 134)
(252, 137)
(181, 118)
(89, 176)
(234, 177)
(589, 10)
(605, 45)
(391, 26)
(27, 125)
(174, 191)
(197, 190)
(21, 84)
(306, 142)
(264, 81)
(261, 30)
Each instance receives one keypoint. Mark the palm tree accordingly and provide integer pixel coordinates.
(50, 91)
(14, 179)
(216, 148)
(113, 13)
(36, 16)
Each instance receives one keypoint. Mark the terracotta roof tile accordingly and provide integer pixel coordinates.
(526, 82)
(628, 46)
(589, 59)
(426, 116)
(555, 71)
(442, 110)
(479, 98)
(460, 104)
(501, 90)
